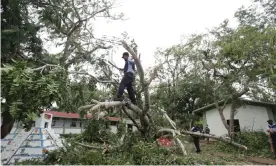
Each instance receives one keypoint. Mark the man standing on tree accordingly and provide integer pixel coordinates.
(128, 79)
(272, 134)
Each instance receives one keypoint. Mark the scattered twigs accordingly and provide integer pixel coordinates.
(104, 148)
(96, 79)
(90, 146)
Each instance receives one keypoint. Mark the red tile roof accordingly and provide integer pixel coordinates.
(75, 115)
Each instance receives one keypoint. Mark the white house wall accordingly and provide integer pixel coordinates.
(250, 117)
(59, 123)
(113, 129)
(270, 114)
(58, 130)
(253, 118)
(214, 122)
(72, 131)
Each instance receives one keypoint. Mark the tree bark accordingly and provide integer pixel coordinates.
(223, 119)
(220, 110)
(231, 123)
(234, 97)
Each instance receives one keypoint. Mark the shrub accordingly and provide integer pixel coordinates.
(256, 142)
(133, 152)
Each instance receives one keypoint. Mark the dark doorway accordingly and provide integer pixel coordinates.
(236, 125)
(33, 123)
(129, 127)
(46, 125)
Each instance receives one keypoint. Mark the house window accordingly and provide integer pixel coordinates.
(56, 118)
(46, 125)
(236, 125)
(53, 123)
(113, 123)
(73, 123)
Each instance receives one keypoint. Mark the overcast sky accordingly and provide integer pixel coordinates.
(161, 23)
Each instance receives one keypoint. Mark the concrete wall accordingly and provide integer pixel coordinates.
(249, 116)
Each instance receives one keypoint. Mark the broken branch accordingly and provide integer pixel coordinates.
(132, 119)
(109, 104)
(100, 81)
(89, 146)
(86, 107)
(174, 133)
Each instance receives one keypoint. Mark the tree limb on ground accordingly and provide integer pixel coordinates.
(105, 148)
(90, 146)
(215, 137)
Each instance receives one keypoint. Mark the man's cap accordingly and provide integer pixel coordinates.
(125, 54)
(269, 121)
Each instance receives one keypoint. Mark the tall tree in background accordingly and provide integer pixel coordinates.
(240, 60)
(31, 78)
(181, 90)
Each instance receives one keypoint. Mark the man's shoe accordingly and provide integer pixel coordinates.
(118, 99)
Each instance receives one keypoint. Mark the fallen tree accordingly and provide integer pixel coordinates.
(142, 111)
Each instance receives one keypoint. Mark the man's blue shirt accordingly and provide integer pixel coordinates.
(129, 66)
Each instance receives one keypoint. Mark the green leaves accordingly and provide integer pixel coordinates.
(27, 91)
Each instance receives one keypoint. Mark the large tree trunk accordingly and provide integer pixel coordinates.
(234, 97)
(231, 123)
(223, 119)
(7, 124)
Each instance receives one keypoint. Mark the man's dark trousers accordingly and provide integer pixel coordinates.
(127, 82)
(196, 142)
(273, 138)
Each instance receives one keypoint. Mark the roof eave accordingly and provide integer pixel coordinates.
(211, 106)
